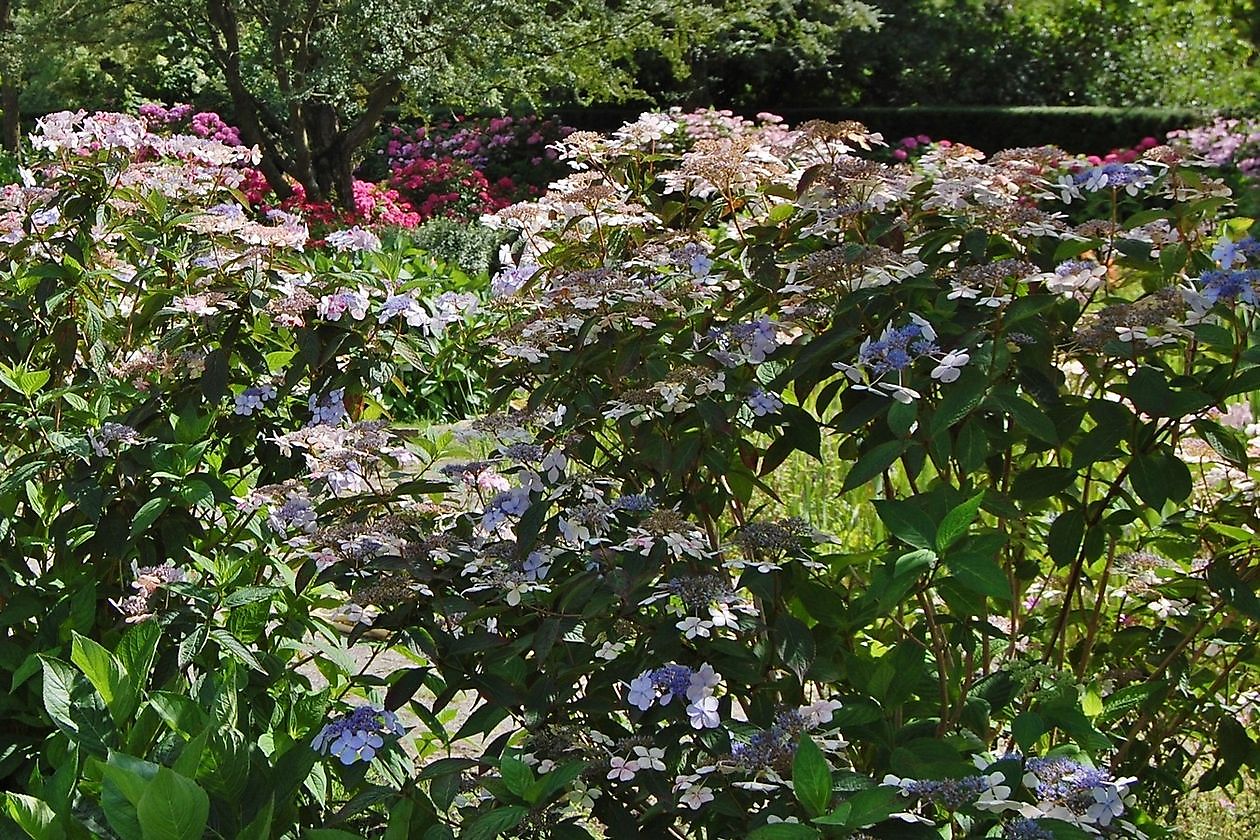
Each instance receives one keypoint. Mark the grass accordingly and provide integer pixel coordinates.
(1221, 815)
(811, 490)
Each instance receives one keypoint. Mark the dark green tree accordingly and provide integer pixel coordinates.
(309, 80)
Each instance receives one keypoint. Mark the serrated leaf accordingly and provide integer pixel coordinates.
(236, 649)
(1227, 443)
(980, 574)
(516, 775)
(444, 767)
(1027, 729)
(906, 521)
(250, 595)
(794, 644)
(106, 674)
(31, 381)
(1041, 483)
(1120, 703)
(34, 816)
(191, 645)
(494, 823)
(147, 514)
(811, 777)
(872, 463)
(1064, 538)
(784, 831)
(136, 651)
(405, 687)
(1146, 479)
(58, 678)
(1027, 417)
(957, 522)
(961, 398)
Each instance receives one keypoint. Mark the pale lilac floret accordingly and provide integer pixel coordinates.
(405, 306)
(511, 279)
(764, 403)
(353, 239)
(328, 410)
(357, 736)
(344, 301)
(252, 399)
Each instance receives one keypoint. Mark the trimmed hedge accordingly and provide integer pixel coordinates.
(1093, 130)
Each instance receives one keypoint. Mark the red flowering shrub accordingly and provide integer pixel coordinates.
(449, 187)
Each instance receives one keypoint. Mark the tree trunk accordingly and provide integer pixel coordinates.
(11, 126)
(248, 111)
(334, 162)
(11, 130)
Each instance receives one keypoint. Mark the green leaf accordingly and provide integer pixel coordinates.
(972, 447)
(33, 816)
(516, 775)
(784, 831)
(981, 574)
(957, 521)
(1147, 481)
(811, 777)
(864, 808)
(551, 783)
(236, 649)
(494, 823)
(1027, 729)
(58, 680)
(1149, 391)
(259, 828)
(278, 360)
(1091, 702)
(123, 784)
(250, 595)
(444, 767)
(146, 515)
(189, 760)
(406, 685)
(1120, 703)
(1041, 483)
(928, 758)
(794, 644)
(1178, 481)
(872, 463)
(31, 381)
(906, 521)
(399, 827)
(136, 651)
(1098, 444)
(190, 646)
(1227, 442)
(961, 398)
(1064, 538)
(106, 674)
(173, 807)
(872, 806)
(1027, 417)
(781, 212)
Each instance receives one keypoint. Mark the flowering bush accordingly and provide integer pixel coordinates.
(449, 187)
(184, 117)
(172, 363)
(1034, 370)
(512, 153)
(1226, 143)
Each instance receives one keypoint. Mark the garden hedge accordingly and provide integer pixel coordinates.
(989, 128)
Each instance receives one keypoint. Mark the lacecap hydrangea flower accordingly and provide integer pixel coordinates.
(357, 736)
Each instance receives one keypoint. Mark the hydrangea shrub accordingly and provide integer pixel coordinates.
(1035, 370)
